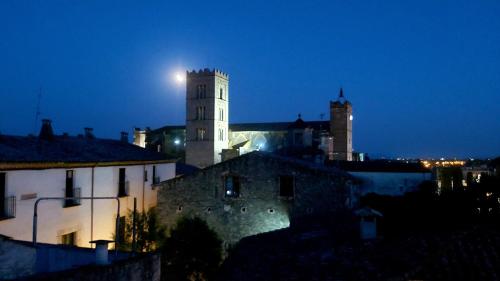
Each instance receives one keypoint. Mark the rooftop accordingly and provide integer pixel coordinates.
(70, 149)
(265, 126)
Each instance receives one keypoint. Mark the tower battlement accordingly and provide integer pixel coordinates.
(207, 72)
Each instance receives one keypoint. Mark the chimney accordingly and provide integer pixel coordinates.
(46, 133)
(368, 223)
(124, 137)
(89, 133)
(101, 251)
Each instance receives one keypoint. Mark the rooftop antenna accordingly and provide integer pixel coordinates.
(37, 113)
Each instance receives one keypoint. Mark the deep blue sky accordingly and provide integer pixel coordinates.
(424, 78)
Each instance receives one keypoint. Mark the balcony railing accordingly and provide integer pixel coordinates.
(73, 202)
(9, 210)
(123, 189)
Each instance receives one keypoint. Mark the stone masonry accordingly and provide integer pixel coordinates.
(258, 208)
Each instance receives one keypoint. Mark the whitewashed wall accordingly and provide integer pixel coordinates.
(55, 221)
(387, 183)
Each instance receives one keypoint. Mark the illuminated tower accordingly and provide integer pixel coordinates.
(341, 127)
(207, 112)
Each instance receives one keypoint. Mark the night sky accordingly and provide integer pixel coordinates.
(424, 78)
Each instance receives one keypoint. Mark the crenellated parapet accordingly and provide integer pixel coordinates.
(207, 72)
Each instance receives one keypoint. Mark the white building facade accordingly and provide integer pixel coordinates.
(75, 222)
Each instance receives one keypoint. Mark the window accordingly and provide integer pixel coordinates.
(221, 93)
(221, 134)
(122, 185)
(156, 179)
(201, 91)
(2, 196)
(201, 113)
(70, 190)
(145, 175)
(7, 203)
(221, 114)
(200, 134)
(232, 186)
(69, 239)
(286, 186)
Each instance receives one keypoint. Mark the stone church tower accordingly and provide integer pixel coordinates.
(207, 114)
(341, 127)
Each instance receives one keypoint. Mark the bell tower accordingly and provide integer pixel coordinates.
(341, 127)
(207, 112)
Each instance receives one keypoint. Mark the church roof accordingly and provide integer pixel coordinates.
(264, 126)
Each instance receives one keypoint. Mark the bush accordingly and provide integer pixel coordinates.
(192, 251)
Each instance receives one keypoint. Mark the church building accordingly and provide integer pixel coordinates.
(208, 138)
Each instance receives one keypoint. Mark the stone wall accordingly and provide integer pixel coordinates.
(259, 207)
(147, 267)
(16, 260)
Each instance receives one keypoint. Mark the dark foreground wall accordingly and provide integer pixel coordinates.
(140, 268)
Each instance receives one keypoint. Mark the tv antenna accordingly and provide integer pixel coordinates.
(37, 113)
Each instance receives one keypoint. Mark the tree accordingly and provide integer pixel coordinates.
(192, 251)
(150, 234)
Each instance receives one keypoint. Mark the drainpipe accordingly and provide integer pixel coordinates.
(143, 185)
(92, 206)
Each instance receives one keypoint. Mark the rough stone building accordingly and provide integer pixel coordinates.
(254, 193)
(208, 137)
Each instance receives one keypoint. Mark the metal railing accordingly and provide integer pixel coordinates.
(9, 210)
(74, 200)
(123, 189)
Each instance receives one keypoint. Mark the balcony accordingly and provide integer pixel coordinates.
(123, 189)
(9, 208)
(73, 202)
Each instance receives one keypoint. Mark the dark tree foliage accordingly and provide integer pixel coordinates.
(192, 251)
(426, 210)
(150, 234)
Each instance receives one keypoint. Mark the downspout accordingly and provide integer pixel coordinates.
(143, 185)
(92, 207)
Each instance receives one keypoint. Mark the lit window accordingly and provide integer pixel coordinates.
(200, 134)
(69, 239)
(232, 186)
